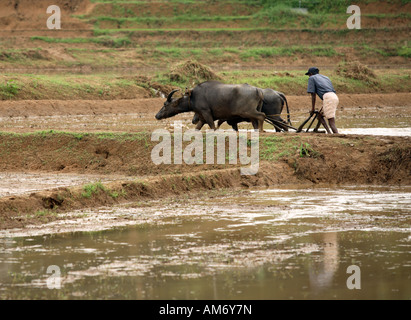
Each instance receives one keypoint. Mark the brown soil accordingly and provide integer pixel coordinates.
(18, 15)
(28, 108)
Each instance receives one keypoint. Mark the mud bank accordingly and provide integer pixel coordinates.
(284, 159)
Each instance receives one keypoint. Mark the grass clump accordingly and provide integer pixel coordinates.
(356, 70)
(92, 189)
(9, 89)
(306, 150)
(193, 72)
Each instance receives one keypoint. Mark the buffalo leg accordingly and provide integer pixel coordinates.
(200, 124)
(209, 120)
(255, 124)
(258, 117)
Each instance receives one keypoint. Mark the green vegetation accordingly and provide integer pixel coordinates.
(273, 13)
(89, 190)
(404, 52)
(307, 150)
(106, 41)
(153, 38)
(92, 189)
(273, 148)
(9, 89)
(112, 86)
(45, 213)
(276, 148)
(159, 54)
(67, 87)
(78, 136)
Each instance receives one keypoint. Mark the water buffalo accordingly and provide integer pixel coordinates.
(213, 100)
(273, 104)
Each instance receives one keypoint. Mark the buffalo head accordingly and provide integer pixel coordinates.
(174, 106)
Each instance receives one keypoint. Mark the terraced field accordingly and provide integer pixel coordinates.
(156, 34)
(77, 116)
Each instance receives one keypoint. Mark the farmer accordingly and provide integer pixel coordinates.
(321, 85)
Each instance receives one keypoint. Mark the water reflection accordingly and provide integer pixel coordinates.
(322, 273)
(287, 243)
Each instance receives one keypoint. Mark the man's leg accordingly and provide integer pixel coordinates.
(324, 123)
(332, 125)
(330, 105)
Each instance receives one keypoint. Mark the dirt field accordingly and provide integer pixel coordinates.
(112, 139)
(86, 142)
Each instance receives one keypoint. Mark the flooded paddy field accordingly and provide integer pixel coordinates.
(364, 111)
(145, 122)
(85, 213)
(283, 243)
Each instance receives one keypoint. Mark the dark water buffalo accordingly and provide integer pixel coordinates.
(213, 100)
(273, 104)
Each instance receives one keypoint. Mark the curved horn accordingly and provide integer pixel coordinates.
(171, 94)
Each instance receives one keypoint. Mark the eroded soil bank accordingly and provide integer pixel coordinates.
(284, 158)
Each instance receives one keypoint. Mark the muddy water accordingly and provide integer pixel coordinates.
(287, 243)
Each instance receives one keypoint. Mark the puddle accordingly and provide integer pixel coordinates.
(393, 132)
(286, 243)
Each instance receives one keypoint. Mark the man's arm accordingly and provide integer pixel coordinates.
(312, 89)
(313, 99)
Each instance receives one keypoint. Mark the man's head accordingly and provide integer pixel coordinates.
(312, 71)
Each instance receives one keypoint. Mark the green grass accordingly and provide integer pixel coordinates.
(103, 40)
(78, 136)
(113, 86)
(31, 86)
(404, 51)
(276, 14)
(9, 89)
(274, 148)
(89, 190)
(92, 189)
(268, 52)
(44, 213)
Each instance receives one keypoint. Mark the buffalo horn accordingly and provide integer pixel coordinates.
(171, 95)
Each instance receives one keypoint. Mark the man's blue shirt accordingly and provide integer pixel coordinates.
(320, 85)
